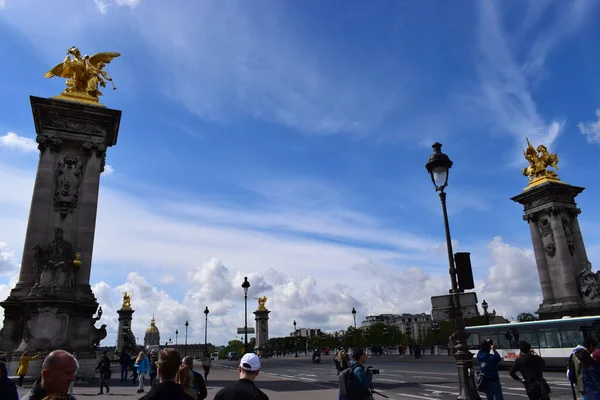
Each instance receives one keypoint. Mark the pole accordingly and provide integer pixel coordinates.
(186, 328)
(205, 332)
(245, 322)
(464, 358)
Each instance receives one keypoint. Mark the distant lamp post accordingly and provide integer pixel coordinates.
(487, 315)
(438, 166)
(295, 339)
(206, 328)
(176, 334)
(435, 326)
(186, 329)
(245, 285)
(354, 316)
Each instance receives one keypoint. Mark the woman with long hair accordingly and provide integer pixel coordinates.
(489, 359)
(186, 381)
(23, 368)
(143, 365)
(206, 363)
(341, 361)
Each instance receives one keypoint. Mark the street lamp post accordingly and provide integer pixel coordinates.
(487, 315)
(206, 328)
(436, 328)
(354, 316)
(438, 166)
(245, 285)
(295, 339)
(176, 334)
(186, 328)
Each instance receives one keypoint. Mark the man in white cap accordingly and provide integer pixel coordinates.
(244, 389)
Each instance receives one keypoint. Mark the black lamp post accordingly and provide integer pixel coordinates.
(206, 328)
(487, 315)
(438, 166)
(176, 334)
(245, 285)
(436, 328)
(186, 328)
(295, 339)
(354, 316)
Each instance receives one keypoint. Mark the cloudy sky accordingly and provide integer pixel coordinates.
(286, 141)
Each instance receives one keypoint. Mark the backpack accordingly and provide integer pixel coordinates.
(350, 388)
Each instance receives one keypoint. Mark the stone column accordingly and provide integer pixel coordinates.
(125, 317)
(540, 260)
(565, 282)
(262, 331)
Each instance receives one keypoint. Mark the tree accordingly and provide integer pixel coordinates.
(523, 317)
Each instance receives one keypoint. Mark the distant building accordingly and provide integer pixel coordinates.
(307, 332)
(152, 336)
(415, 326)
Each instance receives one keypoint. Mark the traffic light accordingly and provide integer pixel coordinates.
(464, 273)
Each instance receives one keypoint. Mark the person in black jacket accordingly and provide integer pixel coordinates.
(104, 369)
(124, 360)
(199, 382)
(169, 362)
(530, 365)
(8, 389)
(244, 389)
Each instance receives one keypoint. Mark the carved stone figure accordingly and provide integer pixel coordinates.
(126, 300)
(54, 266)
(47, 327)
(539, 160)
(568, 234)
(96, 336)
(129, 344)
(68, 180)
(590, 284)
(547, 237)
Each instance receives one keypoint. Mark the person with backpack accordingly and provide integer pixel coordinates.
(590, 375)
(199, 384)
(575, 370)
(355, 381)
(531, 367)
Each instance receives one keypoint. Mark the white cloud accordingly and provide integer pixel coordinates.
(108, 169)
(2, 3)
(507, 82)
(8, 262)
(20, 143)
(167, 279)
(103, 5)
(591, 129)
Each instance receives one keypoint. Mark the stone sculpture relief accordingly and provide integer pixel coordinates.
(547, 237)
(68, 180)
(568, 234)
(54, 265)
(96, 336)
(50, 142)
(47, 327)
(590, 284)
(129, 344)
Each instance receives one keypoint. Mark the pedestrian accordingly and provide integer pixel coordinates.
(143, 365)
(341, 361)
(590, 371)
(361, 385)
(72, 387)
(169, 362)
(244, 388)
(489, 359)
(575, 371)
(8, 389)
(531, 367)
(197, 379)
(58, 371)
(103, 368)
(23, 367)
(206, 364)
(185, 379)
(153, 368)
(124, 361)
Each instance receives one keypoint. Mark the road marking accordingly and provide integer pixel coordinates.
(390, 380)
(413, 396)
(292, 370)
(309, 375)
(307, 379)
(424, 372)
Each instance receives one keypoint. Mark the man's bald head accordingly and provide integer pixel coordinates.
(58, 371)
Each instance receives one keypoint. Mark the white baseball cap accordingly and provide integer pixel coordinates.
(250, 362)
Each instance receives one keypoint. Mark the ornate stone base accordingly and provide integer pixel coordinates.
(262, 331)
(79, 98)
(567, 308)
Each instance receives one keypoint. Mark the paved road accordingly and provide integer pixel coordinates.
(300, 379)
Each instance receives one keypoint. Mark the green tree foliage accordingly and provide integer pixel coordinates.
(523, 317)
(233, 345)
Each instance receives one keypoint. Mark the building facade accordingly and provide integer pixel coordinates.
(152, 336)
(414, 326)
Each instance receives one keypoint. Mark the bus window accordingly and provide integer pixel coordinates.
(549, 339)
(474, 341)
(530, 337)
(503, 342)
(571, 338)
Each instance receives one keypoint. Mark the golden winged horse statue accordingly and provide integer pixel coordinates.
(84, 75)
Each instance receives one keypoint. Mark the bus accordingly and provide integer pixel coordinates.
(552, 339)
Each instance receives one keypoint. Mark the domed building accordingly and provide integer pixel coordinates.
(152, 336)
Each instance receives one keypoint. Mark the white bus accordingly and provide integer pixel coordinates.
(551, 339)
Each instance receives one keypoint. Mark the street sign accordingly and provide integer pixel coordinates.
(240, 331)
(441, 306)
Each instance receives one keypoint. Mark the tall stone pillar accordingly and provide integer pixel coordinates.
(52, 304)
(262, 330)
(125, 318)
(569, 287)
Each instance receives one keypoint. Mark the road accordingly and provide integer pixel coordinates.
(300, 379)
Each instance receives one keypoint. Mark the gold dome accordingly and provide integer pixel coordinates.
(152, 329)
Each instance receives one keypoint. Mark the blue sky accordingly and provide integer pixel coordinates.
(287, 141)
